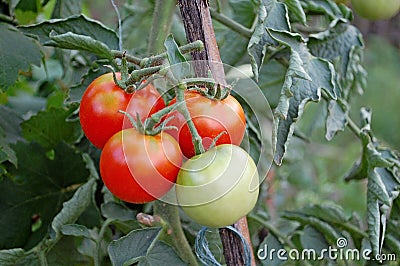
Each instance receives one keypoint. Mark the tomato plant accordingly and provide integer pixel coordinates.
(218, 187)
(304, 58)
(376, 9)
(139, 168)
(211, 118)
(103, 99)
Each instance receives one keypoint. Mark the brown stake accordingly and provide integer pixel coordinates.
(198, 26)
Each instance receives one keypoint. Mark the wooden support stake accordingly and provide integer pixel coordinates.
(198, 26)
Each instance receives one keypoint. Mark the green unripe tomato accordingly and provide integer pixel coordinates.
(218, 187)
(376, 9)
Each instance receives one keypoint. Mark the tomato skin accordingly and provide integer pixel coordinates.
(210, 117)
(218, 187)
(139, 168)
(103, 99)
(376, 9)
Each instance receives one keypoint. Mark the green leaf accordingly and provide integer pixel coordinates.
(26, 5)
(139, 17)
(380, 166)
(6, 152)
(330, 233)
(305, 78)
(271, 15)
(132, 247)
(232, 46)
(10, 132)
(141, 246)
(18, 257)
(270, 243)
(51, 126)
(329, 8)
(73, 208)
(342, 45)
(336, 119)
(296, 11)
(329, 213)
(10, 124)
(64, 9)
(272, 77)
(80, 25)
(74, 41)
(115, 211)
(312, 239)
(66, 253)
(76, 91)
(39, 187)
(161, 254)
(75, 230)
(179, 66)
(17, 53)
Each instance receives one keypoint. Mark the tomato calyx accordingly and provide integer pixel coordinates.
(207, 87)
(151, 125)
(128, 81)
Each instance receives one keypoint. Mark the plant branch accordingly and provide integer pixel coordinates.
(350, 122)
(272, 229)
(161, 24)
(196, 138)
(157, 59)
(8, 19)
(231, 24)
(170, 214)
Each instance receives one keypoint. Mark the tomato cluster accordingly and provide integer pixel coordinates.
(214, 188)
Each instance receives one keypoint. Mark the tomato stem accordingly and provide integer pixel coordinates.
(231, 24)
(213, 90)
(158, 59)
(154, 119)
(182, 108)
(163, 15)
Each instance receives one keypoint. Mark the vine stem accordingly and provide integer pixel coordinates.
(161, 23)
(230, 23)
(350, 122)
(97, 257)
(196, 138)
(170, 214)
(157, 59)
(272, 229)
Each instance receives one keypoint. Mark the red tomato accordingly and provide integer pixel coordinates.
(211, 117)
(140, 168)
(103, 99)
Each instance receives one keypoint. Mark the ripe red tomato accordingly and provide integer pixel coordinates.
(103, 99)
(211, 117)
(218, 187)
(140, 168)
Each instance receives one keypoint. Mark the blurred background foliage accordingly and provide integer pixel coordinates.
(314, 170)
